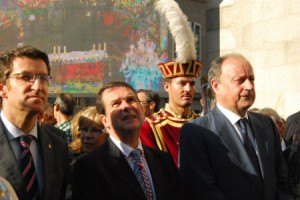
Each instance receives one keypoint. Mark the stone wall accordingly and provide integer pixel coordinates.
(268, 34)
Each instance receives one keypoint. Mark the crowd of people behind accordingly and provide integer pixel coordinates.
(127, 146)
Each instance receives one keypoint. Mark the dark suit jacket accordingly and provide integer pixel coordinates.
(106, 174)
(292, 122)
(54, 152)
(214, 164)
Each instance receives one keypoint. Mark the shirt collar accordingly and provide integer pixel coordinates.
(231, 116)
(178, 116)
(124, 148)
(15, 132)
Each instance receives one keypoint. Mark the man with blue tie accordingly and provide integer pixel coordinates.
(122, 168)
(32, 157)
(231, 153)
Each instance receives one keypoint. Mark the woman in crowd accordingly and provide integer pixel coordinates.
(88, 133)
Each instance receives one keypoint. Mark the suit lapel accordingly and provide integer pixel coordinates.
(231, 140)
(259, 133)
(156, 172)
(9, 167)
(120, 167)
(46, 147)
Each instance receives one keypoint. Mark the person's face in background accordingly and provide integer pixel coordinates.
(92, 135)
(48, 117)
(145, 104)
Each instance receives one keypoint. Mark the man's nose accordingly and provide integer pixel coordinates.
(125, 105)
(249, 85)
(37, 84)
(188, 87)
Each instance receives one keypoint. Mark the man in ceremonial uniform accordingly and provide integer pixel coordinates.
(162, 129)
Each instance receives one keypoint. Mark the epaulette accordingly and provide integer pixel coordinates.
(157, 117)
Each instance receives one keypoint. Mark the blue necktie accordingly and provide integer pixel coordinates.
(140, 173)
(27, 167)
(248, 145)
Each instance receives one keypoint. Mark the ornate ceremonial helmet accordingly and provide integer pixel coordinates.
(185, 64)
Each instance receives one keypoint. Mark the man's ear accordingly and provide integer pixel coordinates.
(152, 105)
(56, 107)
(3, 91)
(166, 86)
(214, 85)
(103, 120)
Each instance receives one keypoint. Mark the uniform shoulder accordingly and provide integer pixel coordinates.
(157, 117)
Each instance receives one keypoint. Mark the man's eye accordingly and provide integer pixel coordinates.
(192, 83)
(43, 77)
(26, 77)
(132, 100)
(115, 103)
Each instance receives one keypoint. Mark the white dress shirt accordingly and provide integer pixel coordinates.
(234, 120)
(14, 134)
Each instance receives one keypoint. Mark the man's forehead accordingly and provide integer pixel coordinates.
(184, 78)
(141, 95)
(27, 64)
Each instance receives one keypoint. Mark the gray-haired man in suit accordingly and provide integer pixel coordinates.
(231, 153)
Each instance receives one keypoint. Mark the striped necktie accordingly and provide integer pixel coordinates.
(27, 167)
(248, 145)
(140, 173)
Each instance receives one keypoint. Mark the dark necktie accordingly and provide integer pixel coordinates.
(27, 167)
(248, 145)
(140, 172)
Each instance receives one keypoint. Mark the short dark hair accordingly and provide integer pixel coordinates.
(66, 103)
(151, 96)
(7, 58)
(100, 103)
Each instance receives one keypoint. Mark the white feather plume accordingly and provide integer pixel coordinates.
(179, 28)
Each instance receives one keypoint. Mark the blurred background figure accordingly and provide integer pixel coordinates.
(254, 110)
(91, 130)
(201, 102)
(88, 133)
(75, 147)
(64, 107)
(207, 96)
(294, 165)
(48, 116)
(149, 100)
(292, 122)
(280, 124)
(6, 190)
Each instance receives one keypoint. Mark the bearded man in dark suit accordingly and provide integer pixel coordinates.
(231, 153)
(38, 168)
